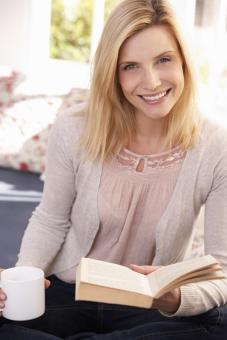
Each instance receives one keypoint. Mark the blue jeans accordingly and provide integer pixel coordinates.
(67, 319)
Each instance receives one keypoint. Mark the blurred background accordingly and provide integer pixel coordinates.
(53, 41)
(46, 49)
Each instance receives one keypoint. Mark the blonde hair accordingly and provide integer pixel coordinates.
(110, 122)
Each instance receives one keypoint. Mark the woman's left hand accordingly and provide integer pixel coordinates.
(168, 302)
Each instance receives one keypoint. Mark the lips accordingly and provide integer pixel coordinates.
(155, 97)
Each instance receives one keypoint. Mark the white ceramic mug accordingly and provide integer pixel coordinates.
(24, 288)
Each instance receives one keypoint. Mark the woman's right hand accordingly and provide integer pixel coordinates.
(47, 283)
(3, 295)
(2, 300)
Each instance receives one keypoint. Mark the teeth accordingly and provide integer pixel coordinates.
(156, 97)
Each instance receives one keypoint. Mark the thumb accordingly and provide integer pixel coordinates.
(47, 283)
(143, 269)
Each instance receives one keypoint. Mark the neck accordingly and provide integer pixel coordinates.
(150, 137)
(148, 146)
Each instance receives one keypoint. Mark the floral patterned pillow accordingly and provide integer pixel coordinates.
(74, 96)
(25, 126)
(9, 80)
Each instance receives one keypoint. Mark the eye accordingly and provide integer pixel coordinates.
(129, 67)
(164, 60)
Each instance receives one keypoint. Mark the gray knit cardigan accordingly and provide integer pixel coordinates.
(64, 225)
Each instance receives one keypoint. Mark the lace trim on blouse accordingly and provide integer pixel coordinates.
(131, 160)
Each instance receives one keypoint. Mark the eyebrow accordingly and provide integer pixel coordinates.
(157, 57)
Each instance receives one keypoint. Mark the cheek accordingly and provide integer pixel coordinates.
(127, 82)
(176, 77)
(124, 83)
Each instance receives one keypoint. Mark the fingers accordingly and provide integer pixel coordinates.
(47, 283)
(143, 269)
(2, 301)
(2, 296)
(169, 302)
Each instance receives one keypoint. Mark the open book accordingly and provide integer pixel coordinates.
(106, 282)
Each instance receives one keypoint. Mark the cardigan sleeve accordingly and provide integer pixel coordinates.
(50, 221)
(200, 297)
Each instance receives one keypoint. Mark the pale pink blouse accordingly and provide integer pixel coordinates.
(133, 195)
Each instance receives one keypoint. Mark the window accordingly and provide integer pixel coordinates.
(207, 26)
(204, 13)
(211, 48)
(76, 26)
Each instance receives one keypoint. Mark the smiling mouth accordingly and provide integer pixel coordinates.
(155, 97)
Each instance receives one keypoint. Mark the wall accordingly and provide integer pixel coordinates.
(24, 27)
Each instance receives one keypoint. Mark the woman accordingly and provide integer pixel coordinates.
(126, 178)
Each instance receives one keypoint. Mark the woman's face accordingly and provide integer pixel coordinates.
(150, 72)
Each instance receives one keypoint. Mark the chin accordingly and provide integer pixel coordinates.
(156, 114)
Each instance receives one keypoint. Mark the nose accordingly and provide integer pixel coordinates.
(151, 79)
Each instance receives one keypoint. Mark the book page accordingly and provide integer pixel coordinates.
(114, 276)
(218, 274)
(165, 275)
